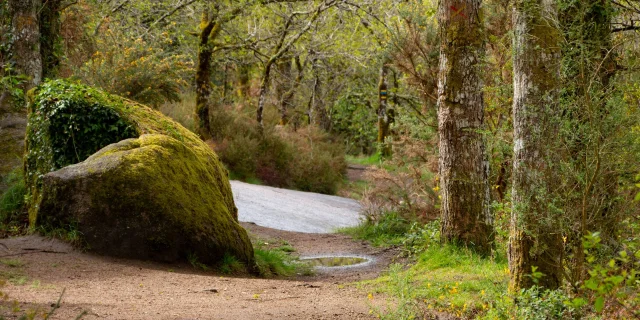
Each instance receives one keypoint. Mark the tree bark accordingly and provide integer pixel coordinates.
(203, 75)
(383, 117)
(466, 216)
(535, 238)
(26, 40)
(286, 101)
(49, 21)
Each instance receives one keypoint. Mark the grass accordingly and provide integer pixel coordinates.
(444, 279)
(441, 278)
(374, 159)
(278, 262)
(13, 263)
(231, 265)
(389, 230)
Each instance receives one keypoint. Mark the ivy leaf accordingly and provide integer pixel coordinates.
(599, 305)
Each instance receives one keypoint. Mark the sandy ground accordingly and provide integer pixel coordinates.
(110, 288)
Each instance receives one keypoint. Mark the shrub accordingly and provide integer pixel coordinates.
(137, 70)
(405, 183)
(319, 162)
(306, 159)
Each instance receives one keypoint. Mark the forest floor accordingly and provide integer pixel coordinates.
(39, 269)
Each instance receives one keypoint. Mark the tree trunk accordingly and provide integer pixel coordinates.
(262, 96)
(466, 216)
(209, 30)
(26, 40)
(243, 71)
(49, 21)
(383, 117)
(535, 238)
(286, 102)
(283, 86)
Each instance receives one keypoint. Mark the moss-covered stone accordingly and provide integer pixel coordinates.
(149, 198)
(161, 194)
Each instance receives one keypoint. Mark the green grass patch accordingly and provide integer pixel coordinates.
(231, 265)
(389, 230)
(13, 263)
(277, 262)
(364, 160)
(444, 279)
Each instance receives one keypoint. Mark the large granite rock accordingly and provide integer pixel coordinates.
(133, 182)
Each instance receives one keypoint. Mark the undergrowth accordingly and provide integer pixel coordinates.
(389, 230)
(13, 217)
(278, 261)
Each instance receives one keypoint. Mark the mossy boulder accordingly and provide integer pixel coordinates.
(133, 182)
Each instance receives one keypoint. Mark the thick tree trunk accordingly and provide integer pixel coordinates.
(26, 40)
(49, 21)
(535, 238)
(466, 217)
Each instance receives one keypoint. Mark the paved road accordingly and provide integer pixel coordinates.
(293, 210)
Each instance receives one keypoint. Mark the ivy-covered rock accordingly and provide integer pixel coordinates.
(133, 182)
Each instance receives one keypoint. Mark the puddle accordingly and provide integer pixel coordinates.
(336, 261)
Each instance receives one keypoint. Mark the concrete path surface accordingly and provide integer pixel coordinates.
(291, 210)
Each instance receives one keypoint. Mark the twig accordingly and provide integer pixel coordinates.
(56, 305)
(33, 251)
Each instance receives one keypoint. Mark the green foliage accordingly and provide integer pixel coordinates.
(614, 284)
(354, 118)
(444, 279)
(533, 304)
(273, 262)
(11, 83)
(231, 265)
(12, 205)
(67, 124)
(389, 230)
(374, 159)
(138, 70)
(306, 160)
(421, 236)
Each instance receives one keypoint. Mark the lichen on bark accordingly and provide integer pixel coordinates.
(466, 217)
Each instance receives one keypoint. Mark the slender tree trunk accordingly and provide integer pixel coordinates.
(266, 75)
(203, 76)
(383, 117)
(535, 238)
(286, 102)
(282, 87)
(466, 217)
(26, 40)
(243, 80)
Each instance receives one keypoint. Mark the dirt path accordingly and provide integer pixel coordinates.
(109, 288)
(292, 210)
